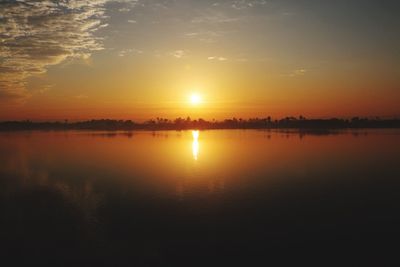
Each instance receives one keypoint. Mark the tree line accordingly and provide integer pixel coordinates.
(202, 124)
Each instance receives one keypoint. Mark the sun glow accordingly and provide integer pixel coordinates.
(195, 99)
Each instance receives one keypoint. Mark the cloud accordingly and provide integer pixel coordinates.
(124, 9)
(9, 95)
(213, 19)
(205, 36)
(125, 52)
(243, 4)
(178, 53)
(299, 72)
(296, 73)
(37, 34)
(217, 58)
(45, 88)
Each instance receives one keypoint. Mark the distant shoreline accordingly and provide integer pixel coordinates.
(200, 124)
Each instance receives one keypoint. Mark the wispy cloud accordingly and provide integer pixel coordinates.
(215, 18)
(124, 9)
(296, 73)
(205, 36)
(37, 34)
(178, 53)
(217, 58)
(243, 4)
(125, 52)
(299, 72)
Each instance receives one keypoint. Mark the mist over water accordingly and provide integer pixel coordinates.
(203, 198)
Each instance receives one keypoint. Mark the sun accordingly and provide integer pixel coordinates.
(195, 99)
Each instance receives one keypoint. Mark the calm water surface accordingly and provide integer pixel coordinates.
(208, 198)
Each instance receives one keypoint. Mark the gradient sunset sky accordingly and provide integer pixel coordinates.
(125, 59)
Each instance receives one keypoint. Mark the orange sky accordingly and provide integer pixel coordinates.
(140, 60)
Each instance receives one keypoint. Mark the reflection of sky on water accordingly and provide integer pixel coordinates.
(123, 190)
(158, 162)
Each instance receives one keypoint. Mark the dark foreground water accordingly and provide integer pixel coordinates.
(213, 198)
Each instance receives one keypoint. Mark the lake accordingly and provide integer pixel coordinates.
(208, 198)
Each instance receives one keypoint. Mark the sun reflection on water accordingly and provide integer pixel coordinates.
(195, 144)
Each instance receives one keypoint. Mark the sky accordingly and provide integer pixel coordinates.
(141, 59)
